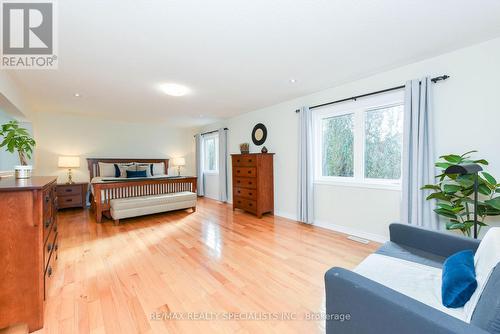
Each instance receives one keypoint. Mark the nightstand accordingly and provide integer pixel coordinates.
(72, 195)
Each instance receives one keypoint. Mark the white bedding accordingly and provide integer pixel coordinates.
(414, 280)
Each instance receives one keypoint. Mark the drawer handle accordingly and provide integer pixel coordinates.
(69, 200)
(238, 171)
(250, 182)
(49, 271)
(238, 160)
(49, 247)
(249, 204)
(249, 160)
(239, 191)
(239, 202)
(238, 181)
(249, 172)
(249, 194)
(69, 190)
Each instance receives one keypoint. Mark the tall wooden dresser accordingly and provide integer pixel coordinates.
(253, 182)
(28, 248)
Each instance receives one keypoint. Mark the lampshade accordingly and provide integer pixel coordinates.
(179, 162)
(69, 162)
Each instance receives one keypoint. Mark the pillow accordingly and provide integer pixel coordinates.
(147, 167)
(459, 279)
(107, 169)
(121, 169)
(136, 173)
(159, 168)
(486, 259)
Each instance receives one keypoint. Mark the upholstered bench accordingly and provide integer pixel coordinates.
(145, 205)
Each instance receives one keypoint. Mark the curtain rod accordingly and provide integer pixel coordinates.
(209, 132)
(354, 98)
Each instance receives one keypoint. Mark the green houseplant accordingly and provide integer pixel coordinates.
(16, 138)
(454, 194)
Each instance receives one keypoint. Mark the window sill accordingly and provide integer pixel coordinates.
(357, 184)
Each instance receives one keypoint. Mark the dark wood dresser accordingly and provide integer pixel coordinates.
(28, 248)
(72, 195)
(253, 182)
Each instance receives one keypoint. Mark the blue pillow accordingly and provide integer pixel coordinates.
(117, 171)
(133, 173)
(459, 279)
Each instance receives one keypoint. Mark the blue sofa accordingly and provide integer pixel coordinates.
(376, 308)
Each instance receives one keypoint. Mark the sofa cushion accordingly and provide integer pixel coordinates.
(486, 259)
(145, 201)
(415, 280)
(459, 279)
(411, 254)
(487, 312)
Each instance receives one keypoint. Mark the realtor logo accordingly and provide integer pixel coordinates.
(28, 35)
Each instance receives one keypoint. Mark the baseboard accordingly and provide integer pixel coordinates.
(285, 215)
(352, 231)
(338, 228)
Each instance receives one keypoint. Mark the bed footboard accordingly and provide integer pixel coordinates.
(104, 192)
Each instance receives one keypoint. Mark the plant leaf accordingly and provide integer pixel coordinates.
(495, 202)
(451, 188)
(453, 158)
(490, 179)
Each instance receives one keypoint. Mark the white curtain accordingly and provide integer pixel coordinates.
(199, 166)
(418, 155)
(305, 181)
(223, 165)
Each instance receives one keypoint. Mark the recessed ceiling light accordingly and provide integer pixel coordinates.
(174, 89)
(292, 80)
(76, 95)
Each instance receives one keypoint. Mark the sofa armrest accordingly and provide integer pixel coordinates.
(439, 243)
(374, 308)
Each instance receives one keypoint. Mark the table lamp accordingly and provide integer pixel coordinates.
(179, 162)
(69, 162)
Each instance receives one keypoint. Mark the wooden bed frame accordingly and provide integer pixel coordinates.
(105, 192)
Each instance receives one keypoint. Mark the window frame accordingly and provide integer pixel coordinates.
(359, 109)
(206, 138)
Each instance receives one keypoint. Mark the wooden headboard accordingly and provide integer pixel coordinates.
(93, 163)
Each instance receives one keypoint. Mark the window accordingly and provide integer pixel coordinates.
(210, 153)
(360, 141)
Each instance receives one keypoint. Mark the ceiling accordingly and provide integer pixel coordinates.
(235, 55)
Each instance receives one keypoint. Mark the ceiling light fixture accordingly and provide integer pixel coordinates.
(76, 95)
(292, 80)
(174, 89)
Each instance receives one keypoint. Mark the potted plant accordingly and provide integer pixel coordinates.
(16, 138)
(454, 194)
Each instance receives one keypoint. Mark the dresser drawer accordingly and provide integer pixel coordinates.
(49, 271)
(245, 182)
(245, 193)
(50, 246)
(245, 171)
(69, 201)
(244, 161)
(245, 204)
(68, 190)
(47, 226)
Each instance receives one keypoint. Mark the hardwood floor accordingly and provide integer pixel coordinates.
(117, 279)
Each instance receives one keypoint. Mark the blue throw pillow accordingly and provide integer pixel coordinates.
(139, 173)
(117, 171)
(459, 279)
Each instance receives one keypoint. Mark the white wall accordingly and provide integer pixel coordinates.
(467, 116)
(63, 134)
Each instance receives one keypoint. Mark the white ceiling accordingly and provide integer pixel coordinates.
(237, 55)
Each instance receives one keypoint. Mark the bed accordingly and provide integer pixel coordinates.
(105, 189)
